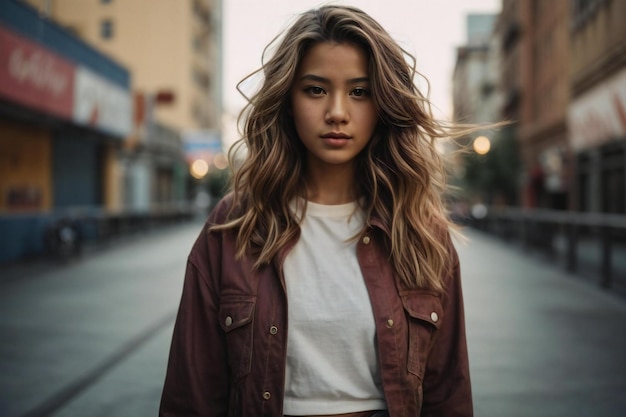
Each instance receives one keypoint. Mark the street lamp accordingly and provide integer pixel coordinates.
(199, 168)
(482, 145)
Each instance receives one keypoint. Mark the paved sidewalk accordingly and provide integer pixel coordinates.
(91, 337)
(542, 342)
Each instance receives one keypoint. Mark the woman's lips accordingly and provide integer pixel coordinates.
(335, 139)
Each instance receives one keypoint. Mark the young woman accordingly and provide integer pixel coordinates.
(326, 283)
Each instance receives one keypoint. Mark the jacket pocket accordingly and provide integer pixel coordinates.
(424, 313)
(236, 318)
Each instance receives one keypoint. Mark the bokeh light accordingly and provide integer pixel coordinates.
(220, 161)
(199, 169)
(482, 145)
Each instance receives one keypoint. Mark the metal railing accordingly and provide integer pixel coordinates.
(90, 225)
(539, 228)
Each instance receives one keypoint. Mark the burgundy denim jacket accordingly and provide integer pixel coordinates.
(228, 351)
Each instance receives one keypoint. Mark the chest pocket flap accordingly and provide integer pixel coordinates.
(424, 315)
(236, 311)
(236, 316)
(424, 306)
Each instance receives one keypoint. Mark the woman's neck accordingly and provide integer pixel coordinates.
(331, 186)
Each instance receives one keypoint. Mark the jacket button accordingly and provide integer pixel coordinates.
(267, 395)
(366, 240)
(434, 317)
(228, 321)
(390, 323)
(273, 330)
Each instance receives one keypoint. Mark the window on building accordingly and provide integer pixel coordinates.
(584, 10)
(106, 29)
(74, 30)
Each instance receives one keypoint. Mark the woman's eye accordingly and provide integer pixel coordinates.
(316, 91)
(360, 92)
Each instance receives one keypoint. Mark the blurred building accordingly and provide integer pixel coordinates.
(64, 109)
(170, 47)
(514, 76)
(97, 100)
(475, 96)
(535, 84)
(563, 75)
(544, 39)
(486, 174)
(596, 116)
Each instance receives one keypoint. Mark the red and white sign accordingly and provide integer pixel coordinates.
(599, 115)
(40, 79)
(35, 77)
(101, 104)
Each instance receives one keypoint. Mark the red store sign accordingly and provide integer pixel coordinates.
(35, 77)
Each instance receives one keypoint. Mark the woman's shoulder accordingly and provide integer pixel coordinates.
(223, 210)
(214, 225)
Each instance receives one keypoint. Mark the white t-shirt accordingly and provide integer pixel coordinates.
(332, 360)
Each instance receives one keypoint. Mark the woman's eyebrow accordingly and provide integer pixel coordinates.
(312, 77)
(359, 80)
(317, 78)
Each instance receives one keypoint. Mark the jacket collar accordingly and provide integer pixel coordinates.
(376, 222)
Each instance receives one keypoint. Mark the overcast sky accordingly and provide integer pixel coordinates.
(429, 29)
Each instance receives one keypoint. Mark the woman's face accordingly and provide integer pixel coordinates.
(333, 109)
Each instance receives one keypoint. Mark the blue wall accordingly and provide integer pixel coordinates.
(21, 235)
(75, 169)
(76, 173)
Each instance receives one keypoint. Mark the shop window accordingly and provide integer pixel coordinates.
(583, 11)
(613, 197)
(613, 181)
(584, 183)
(106, 29)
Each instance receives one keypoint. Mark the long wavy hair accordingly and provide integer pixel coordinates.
(400, 175)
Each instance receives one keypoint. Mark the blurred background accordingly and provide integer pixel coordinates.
(116, 117)
(118, 114)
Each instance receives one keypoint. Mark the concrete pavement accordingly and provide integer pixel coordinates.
(542, 342)
(91, 338)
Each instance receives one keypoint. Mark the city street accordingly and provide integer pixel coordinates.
(91, 338)
(542, 342)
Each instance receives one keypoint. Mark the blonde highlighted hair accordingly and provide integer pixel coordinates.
(400, 175)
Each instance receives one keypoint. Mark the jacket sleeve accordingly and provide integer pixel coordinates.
(197, 379)
(447, 388)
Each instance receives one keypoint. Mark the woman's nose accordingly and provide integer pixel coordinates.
(337, 110)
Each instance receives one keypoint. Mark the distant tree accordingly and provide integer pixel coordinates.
(218, 180)
(495, 175)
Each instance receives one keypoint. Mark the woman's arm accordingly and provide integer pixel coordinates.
(447, 388)
(197, 381)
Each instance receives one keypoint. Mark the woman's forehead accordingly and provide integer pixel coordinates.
(331, 58)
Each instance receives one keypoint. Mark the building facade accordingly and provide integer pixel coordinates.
(513, 81)
(543, 128)
(172, 48)
(475, 78)
(64, 107)
(478, 98)
(564, 78)
(512, 57)
(596, 117)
